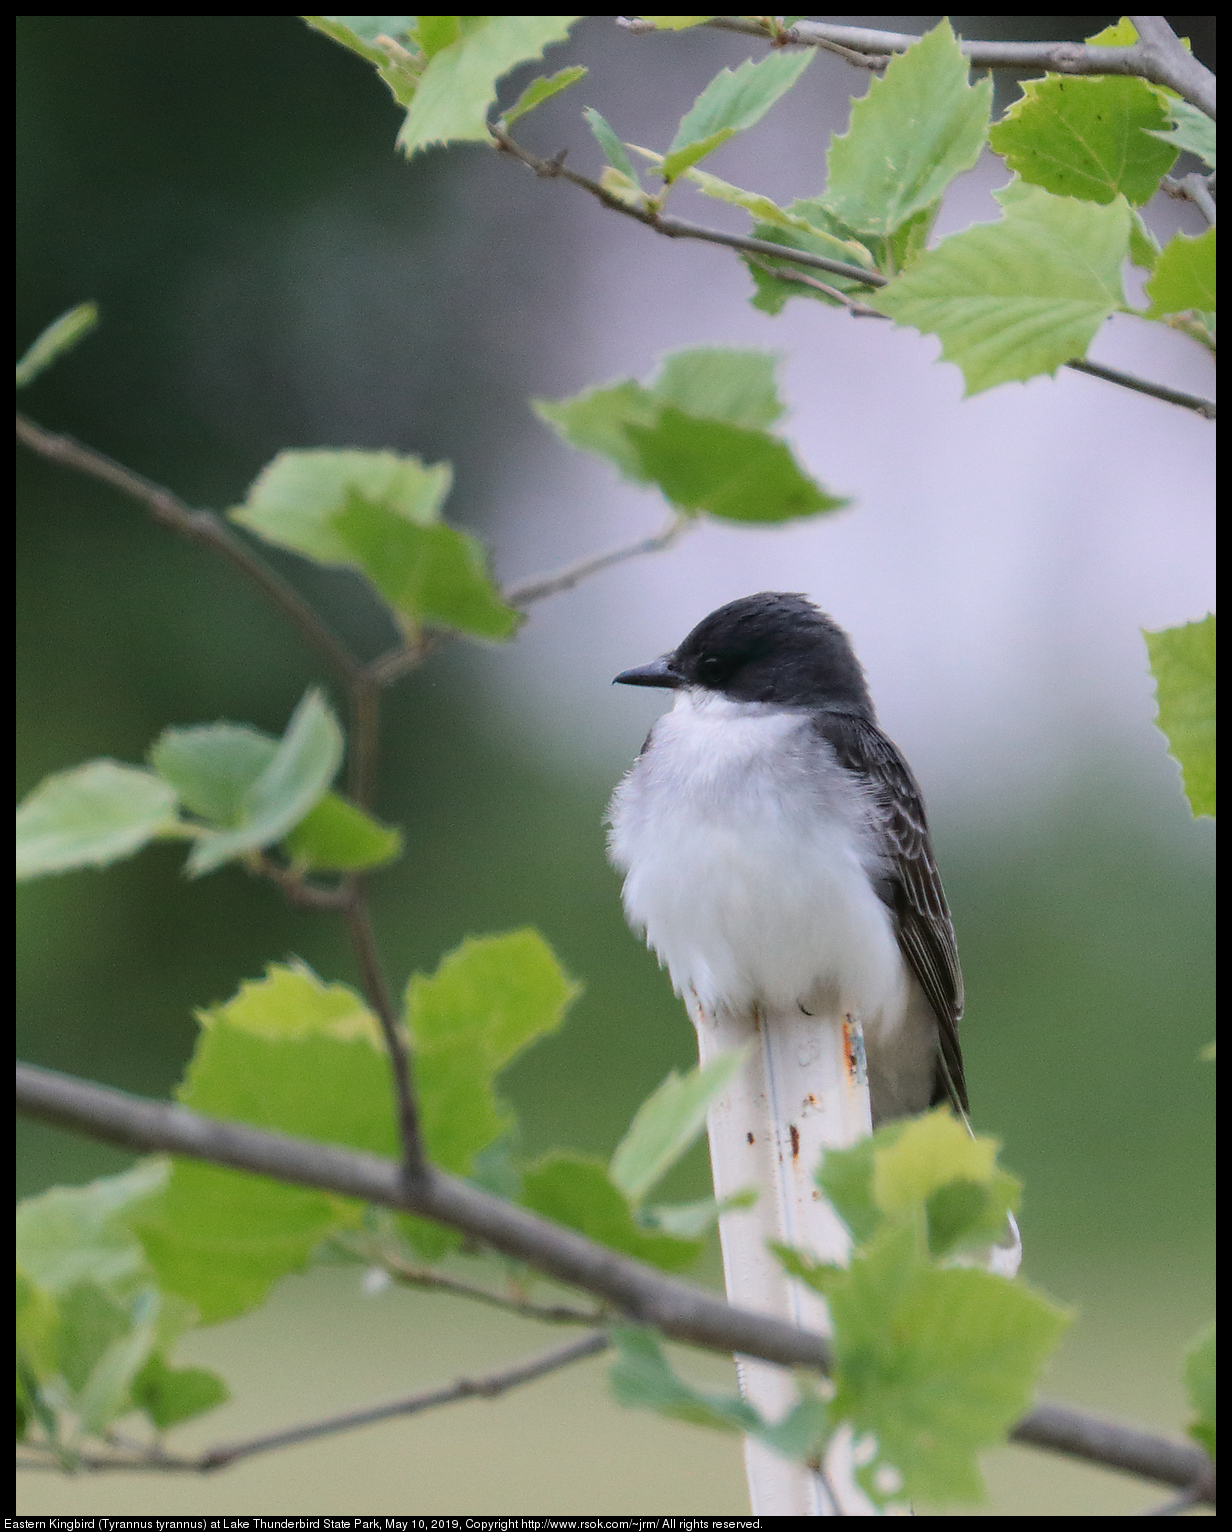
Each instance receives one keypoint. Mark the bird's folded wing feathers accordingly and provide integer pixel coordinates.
(914, 892)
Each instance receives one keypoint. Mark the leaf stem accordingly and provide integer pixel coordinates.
(535, 589)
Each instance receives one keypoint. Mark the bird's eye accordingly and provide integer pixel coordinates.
(710, 669)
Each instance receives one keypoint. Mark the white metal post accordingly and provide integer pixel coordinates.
(803, 1089)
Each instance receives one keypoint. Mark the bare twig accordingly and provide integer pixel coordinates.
(376, 988)
(223, 1456)
(852, 305)
(202, 527)
(1203, 407)
(526, 591)
(679, 228)
(309, 896)
(1158, 56)
(438, 1281)
(637, 1291)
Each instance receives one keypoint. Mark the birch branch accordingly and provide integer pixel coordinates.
(639, 1292)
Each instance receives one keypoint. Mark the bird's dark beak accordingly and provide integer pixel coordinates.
(658, 673)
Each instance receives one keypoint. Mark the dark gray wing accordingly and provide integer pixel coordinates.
(913, 886)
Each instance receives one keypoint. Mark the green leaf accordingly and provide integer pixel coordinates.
(693, 1220)
(169, 1395)
(75, 1234)
(90, 1320)
(931, 1151)
(1014, 299)
(1088, 137)
(816, 231)
(486, 1003)
(1192, 131)
(379, 514)
(597, 420)
(436, 32)
(936, 1364)
(736, 387)
(61, 335)
(543, 89)
(105, 1393)
(458, 86)
(918, 127)
(436, 575)
(1183, 664)
(574, 1190)
(91, 816)
(611, 145)
(212, 767)
(642, 1377)
(338, 836)
(297, 777)
(738, 475)
(38, 1325)
(1184, 276)
(705, 452)
(219, 1238)
(674, 23)
(846, 1177)
(294, 499)
(666, 1124)
(1200, 1384)
(730, 104)
(351, 32)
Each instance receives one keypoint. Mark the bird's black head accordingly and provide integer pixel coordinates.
(772, 647)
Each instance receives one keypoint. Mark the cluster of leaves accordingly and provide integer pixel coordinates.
(1008, 300)
(111, 1273)
(933, 1358)
(201, 1244)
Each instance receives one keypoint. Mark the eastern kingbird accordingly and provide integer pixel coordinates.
(776, 851)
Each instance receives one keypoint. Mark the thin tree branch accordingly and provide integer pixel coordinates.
(1203, 407)
(852, 305)
(678, 228)
(364, 742)
(1158, 56)
(309, 896)
(643, 1294)
(376, 988)
(437, 1281)
(202, 527)
(223, 1456)
(527, 591)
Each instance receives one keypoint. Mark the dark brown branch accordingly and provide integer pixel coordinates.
(223, 1456)
(1158, 56)
(202, 527)
(376, 988)
(679, 228)
(637, 1291)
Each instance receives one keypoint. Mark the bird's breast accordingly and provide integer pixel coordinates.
(748, 855)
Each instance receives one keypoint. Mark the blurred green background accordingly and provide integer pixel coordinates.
(204, 179)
